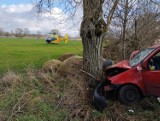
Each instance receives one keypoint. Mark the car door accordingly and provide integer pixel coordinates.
(151, 76)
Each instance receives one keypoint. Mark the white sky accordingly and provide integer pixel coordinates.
(21, 15)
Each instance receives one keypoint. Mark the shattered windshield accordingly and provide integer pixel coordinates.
(140, 56)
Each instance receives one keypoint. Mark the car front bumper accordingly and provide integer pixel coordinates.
(99, 94)
(99, 99)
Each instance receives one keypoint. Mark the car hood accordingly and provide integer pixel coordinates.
(122, 64)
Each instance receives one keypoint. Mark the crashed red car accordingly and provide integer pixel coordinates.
(130, 80)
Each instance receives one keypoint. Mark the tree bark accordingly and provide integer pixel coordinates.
(92, 27)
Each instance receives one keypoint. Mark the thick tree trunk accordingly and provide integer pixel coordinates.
(91, 30)
(92, 59)
(93, 27)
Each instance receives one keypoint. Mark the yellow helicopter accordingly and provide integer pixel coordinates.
(55, 39)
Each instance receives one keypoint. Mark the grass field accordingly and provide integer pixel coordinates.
(18, 54)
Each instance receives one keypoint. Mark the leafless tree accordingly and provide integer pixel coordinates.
(6, 34)
(1, 32)
(26, 31)
(94, 26)
(145, 27)
(19, 32)
(56, 31)
(137, 23)
(39, 34)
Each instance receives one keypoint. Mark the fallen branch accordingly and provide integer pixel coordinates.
(89, 74)
(13, 109)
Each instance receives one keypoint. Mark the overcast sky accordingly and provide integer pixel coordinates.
(21, 14)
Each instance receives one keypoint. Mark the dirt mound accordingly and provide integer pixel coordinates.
(71, 66)
(65, 56)
(51, 65)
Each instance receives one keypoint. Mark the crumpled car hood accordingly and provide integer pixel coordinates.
(122, 64)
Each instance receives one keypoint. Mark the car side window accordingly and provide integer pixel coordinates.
(154, 62)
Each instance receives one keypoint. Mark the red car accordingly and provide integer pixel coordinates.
(130, 80)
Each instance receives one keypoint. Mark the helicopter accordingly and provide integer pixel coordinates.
(55, 39)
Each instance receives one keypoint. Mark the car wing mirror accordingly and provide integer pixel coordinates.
(139, 68)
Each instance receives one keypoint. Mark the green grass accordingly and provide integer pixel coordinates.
(20, 53)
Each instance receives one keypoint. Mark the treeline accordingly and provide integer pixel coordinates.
(20, 33)
(135, 25)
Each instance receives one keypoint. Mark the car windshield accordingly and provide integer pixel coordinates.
(140, 56)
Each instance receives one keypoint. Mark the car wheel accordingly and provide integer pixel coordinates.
(129, 94)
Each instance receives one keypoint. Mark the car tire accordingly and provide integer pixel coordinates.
(129, 94)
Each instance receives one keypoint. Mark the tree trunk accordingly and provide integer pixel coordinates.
(92, 27)
(125, 20)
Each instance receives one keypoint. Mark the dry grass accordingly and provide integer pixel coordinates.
(51, 65)
(10, 79)
(37, 95)
(36, 87)
(71, 66)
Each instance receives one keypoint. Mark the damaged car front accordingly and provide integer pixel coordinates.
(120, 74)
(106, 85)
